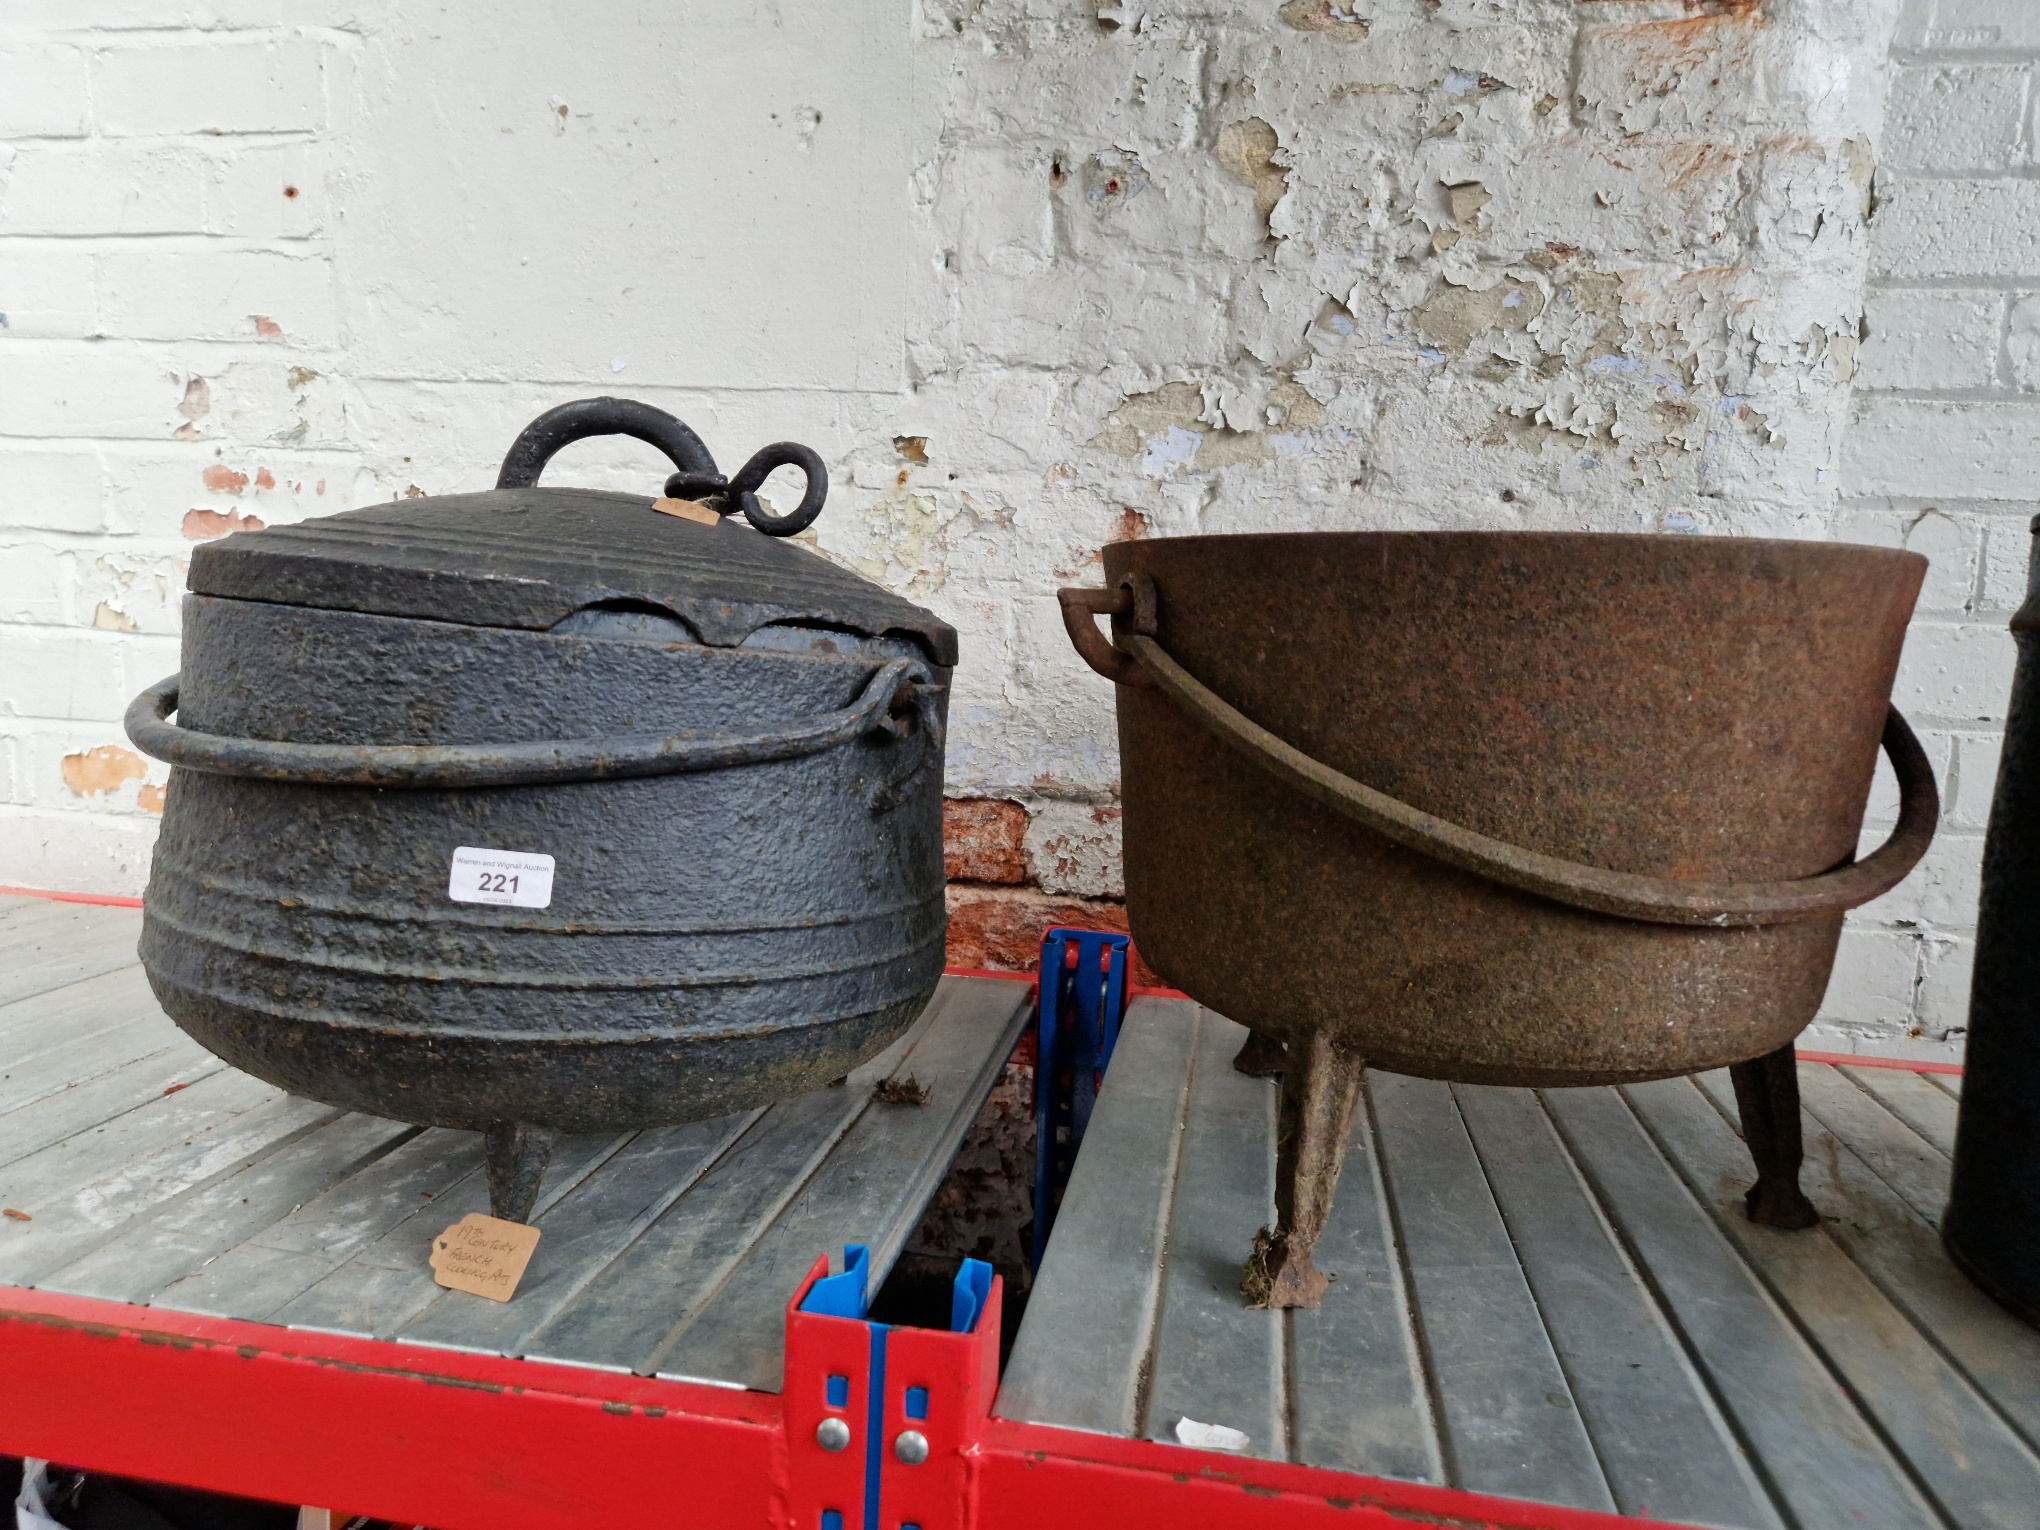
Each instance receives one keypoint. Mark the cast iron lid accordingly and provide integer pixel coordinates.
(524, 556)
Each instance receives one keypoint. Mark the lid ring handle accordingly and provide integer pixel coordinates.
(557, 427)
(743, 489)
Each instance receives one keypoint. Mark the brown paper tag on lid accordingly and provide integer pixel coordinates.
(483, 1255)
(687, 510)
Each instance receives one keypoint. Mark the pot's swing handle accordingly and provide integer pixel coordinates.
(545, 763)
(584, 417)
(1652, 900)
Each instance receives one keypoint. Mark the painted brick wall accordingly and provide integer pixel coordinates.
(1032, 275)
(1943, 456)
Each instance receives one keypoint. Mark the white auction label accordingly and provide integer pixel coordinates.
(514, 877)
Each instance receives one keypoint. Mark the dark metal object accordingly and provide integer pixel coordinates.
(1767, 1099)
(731, 749)
(517, 1154)
(1594, 803)
(1080, 1001)
(1992, 1229)
(697, 479)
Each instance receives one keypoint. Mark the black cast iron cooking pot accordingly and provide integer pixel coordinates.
(386, 721)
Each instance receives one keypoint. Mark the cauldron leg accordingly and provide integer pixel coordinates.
(1767, 1095)
(518, 1153)
(1261, 1056)
(1320, 1090)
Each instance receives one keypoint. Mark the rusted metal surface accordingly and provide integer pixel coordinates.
(1508, 808)
(1993, 1225)
(732, 750)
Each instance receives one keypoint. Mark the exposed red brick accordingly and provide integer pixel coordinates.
(1000, 929)
(224, 480)
(264, 479)
(203, 525)
(267, 327)
(1131, 528)
(984, 840)
(93, 772)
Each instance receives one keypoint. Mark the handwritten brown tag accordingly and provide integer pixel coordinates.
(687, 510)
(483, 1255)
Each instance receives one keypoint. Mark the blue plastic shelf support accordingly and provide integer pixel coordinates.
(1082, 1000)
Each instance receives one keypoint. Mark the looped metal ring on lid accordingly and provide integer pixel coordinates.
(744, 485)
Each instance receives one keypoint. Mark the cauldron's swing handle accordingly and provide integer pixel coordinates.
(1652, 900)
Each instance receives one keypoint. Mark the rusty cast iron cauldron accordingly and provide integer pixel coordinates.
(1992, 1228)
(730, 749)
(1503, 808)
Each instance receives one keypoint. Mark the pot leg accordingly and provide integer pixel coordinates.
(1261, 1056)
(518, 1153)
(1767, 1096)
(1320, 1090)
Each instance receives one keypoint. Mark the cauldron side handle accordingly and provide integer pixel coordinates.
(1081, 610)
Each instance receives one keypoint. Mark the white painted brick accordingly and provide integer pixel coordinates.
(1929, 449)
(1979, 24)
(145, 658)
(45, 746)
(1939, 894)
(42, 90)
(152, 294)
(13, 786)
(152, 495)
(35, 584)
(1953, 118)
(102, 188)
(1073, 849)
(2022, 341)
(2007, 564)
(76, 852)
(1942, 1012)
(61, 676)
(1958, 228)
(86, 391)
(1977, 767)
(1929, 340)
(1872, 984)
(44, 490)
(209, 85)
(45, 290)
(265, 190)
(1950, 540)
(1956, 672)
(127, 588)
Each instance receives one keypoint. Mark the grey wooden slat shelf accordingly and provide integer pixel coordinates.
(1551, 1295)
(151, 1173)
